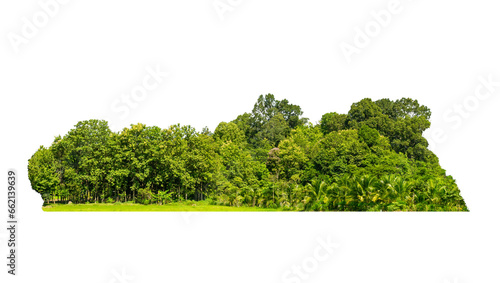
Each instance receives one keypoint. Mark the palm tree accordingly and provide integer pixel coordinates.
(317, 189)
(386, 187)
(369, 185)
(435, 191)
(344, 191)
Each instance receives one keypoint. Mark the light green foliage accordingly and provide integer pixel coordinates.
(369, 136)
(292, 160)
(42, 173)
(229, 132)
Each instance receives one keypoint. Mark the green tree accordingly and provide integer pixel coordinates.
(229, 132)
(274, 130)
(333, 122)
(341, 152)
(373, 158)
(43, 175)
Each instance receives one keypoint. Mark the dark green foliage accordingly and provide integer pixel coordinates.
(373, 158)
(331, 122)
(270, 120)
(274, 130)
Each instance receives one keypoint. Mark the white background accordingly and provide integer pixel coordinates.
(91, 52)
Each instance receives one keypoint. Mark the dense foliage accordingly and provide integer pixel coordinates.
(370, 159)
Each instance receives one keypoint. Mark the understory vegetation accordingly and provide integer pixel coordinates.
(374, 158)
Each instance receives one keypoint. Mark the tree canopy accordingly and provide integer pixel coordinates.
(372, 158)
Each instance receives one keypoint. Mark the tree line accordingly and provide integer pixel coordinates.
(372, 158)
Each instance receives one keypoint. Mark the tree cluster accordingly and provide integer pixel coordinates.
(372, 158)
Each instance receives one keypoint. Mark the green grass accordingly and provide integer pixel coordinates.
(179, 206)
